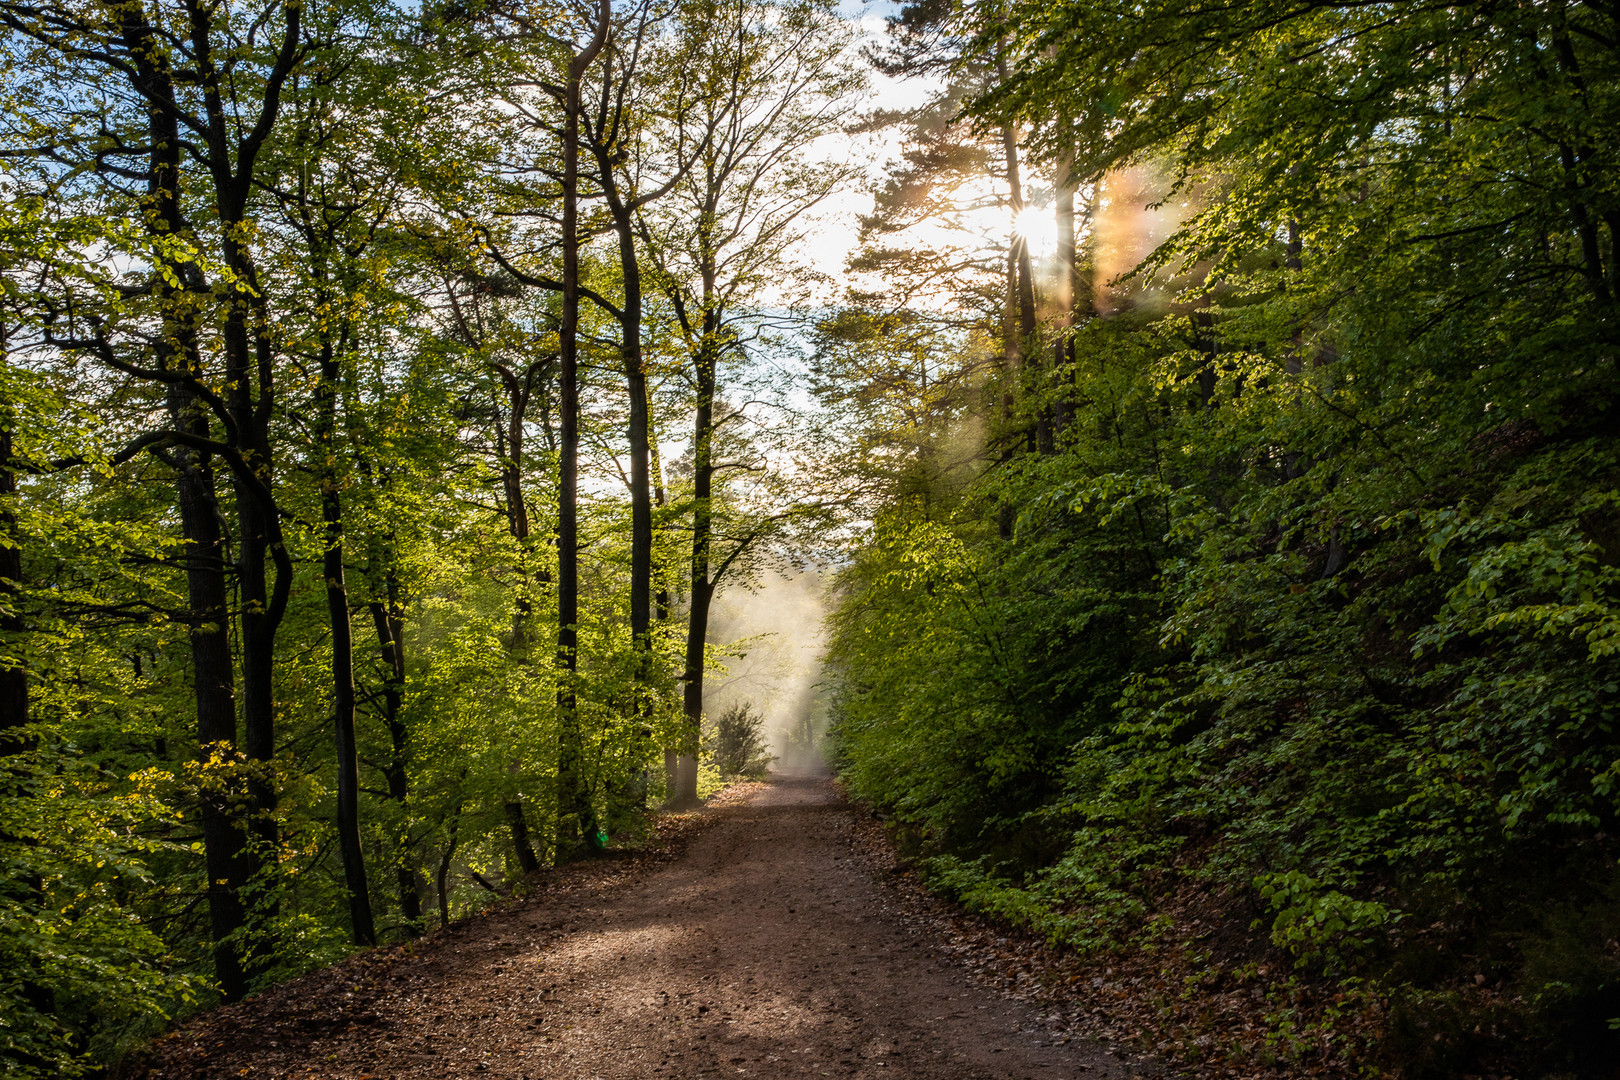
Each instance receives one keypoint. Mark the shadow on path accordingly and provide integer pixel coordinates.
(767, 950)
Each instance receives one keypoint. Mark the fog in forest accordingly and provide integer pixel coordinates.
(775, 639)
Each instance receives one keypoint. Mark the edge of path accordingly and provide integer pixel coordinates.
(341, 995)
(1138, 1004)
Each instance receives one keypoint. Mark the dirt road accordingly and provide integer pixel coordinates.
(768, 950)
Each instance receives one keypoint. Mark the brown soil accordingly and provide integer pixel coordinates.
(769, 947)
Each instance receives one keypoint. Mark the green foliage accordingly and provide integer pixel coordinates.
(346, 239)
(1320, 927)
(1312, 601)
(74, 955)
(737, 743)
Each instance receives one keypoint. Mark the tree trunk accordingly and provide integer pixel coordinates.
(702, 587)
(228, 860)
(629, 791)
(509, 442)
(518, 392)
(441, 876)
(1010, 355)
(342, 658)
(1064, 292)
(697, 633)
(661, 602)
(1019, 336)
(13, 671)
(573, 801)
(635, 378)
(1024, 282)
(249, 373)
(385, 617)
(1021, 299)
(518, 823)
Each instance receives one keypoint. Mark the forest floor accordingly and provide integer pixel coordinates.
(765, 936)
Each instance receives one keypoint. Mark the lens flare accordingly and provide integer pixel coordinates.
(1038, 229)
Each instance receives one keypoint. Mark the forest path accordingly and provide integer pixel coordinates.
(769, 949)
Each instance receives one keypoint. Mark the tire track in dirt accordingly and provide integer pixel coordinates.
(768, 950)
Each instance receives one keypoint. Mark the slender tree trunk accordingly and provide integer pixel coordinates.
(388, 621)
(441, 876)
(13, 671)
(686, 760)
(1019, 334)
(570, 782)
(510, 444)
(629, 791)
(249, 389)
(342, 657)
(573, 801)
(517, 518)
(385, 618)
(702, 587)
(1064, 291)
(661, 606)
(259, 544)
(1085, 262)
(1576, 160)
(1010, 367)
(635, 378)
(1023, 282)
(227, 858)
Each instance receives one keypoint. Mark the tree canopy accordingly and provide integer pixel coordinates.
(1210, 444)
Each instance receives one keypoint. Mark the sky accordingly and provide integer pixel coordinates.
(836, 220)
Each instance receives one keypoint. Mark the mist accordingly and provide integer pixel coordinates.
(774, 639)
(1134, 217)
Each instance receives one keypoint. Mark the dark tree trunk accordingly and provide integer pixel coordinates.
(1020, 335)
(228, 859)
(249, 377)
(628, 794)
(635, 378)
(573, 801)
(227, 856)
(661, 603)
(518, 392)
(509, 439)
(231, 157)
(441, 876)
(1064, 293)
(701, 584)
(1024, 298)
(385, 618)
(342, 657)
(1006, 514)
(697, 634)
(518, 823)
(13, 671)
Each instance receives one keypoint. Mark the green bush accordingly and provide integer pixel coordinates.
(737, 743)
